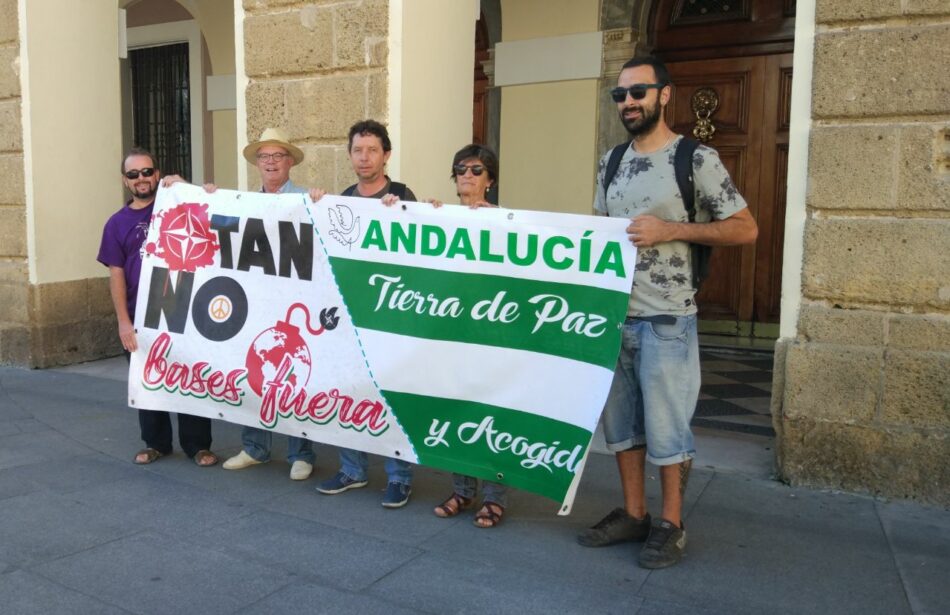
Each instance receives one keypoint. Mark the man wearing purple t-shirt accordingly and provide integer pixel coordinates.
(120, 251)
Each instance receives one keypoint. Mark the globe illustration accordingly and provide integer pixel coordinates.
(267, 352)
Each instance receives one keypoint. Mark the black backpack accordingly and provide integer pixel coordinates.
(683, 167)
(394, 188)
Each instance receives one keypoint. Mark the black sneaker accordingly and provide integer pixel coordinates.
(665, 545)
(617, 526)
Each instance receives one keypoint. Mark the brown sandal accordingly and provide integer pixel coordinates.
(453, 506)
(151, 454)
(489, 516)
(205, 458)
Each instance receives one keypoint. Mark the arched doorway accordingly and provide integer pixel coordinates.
(178, 86)
(738, 52)
(162, 85)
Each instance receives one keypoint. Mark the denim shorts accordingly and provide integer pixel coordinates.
(655, 389)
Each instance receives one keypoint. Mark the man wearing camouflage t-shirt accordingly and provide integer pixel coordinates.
(657, 379)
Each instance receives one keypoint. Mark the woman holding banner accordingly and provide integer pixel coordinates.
(474, 170)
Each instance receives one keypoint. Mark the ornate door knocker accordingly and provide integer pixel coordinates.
(705, 101)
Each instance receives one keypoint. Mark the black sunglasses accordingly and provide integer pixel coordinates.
(637, 92)
(460, 169)
(134, 173)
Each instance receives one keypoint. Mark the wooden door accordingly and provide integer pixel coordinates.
(772, 189)
(752, 140)
(742, 51)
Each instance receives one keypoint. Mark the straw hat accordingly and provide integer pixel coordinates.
(272, 136)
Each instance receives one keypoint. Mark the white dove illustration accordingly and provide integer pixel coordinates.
(346, 227)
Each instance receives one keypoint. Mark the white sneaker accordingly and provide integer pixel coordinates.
(300, 470)
(240, 461)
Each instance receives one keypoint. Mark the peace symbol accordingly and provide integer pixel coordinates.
(220, 308)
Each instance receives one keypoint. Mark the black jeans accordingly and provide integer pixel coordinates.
(194, 432)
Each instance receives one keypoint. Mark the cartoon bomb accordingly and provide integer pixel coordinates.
(269, 348)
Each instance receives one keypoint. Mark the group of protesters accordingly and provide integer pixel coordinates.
(656, 382)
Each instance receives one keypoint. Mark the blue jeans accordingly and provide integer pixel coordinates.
(655, 389)
(354, 463)
(257, 444)
(467, 487)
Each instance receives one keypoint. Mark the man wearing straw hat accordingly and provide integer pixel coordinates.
(274, 156)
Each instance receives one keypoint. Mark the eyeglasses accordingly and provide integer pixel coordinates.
(637, 92)
(134, 173)
(476, 169)
(276, 157)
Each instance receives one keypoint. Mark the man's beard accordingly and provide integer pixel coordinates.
(642, 125)
(145, 194)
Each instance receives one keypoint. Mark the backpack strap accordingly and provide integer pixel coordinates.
(700, 255)
(398, 189)
(683, 168)
(613, 163)
(349, 191)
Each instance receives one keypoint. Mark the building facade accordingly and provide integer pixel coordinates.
(833, 117)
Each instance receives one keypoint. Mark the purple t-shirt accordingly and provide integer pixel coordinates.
(121, 246)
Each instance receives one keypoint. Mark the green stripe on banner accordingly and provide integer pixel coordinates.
(566, 320)
(524, 450)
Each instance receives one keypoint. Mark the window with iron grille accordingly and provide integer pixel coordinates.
(161, 105)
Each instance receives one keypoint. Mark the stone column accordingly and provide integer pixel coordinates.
(620, 44)
(314, 69)
(862, 395)
(624, 24)
(14, 270)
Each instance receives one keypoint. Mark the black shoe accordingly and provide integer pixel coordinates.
(665, 545)
(617, 526)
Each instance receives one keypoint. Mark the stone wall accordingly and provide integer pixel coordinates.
(862, 395)
(72, 322)
(14, 270)
(315, 68)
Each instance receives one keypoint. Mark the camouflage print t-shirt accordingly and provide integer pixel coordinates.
(646, 184)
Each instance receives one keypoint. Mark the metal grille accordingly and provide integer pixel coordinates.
(703, 11)
(161, 105)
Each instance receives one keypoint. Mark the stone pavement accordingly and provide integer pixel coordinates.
(83, 530)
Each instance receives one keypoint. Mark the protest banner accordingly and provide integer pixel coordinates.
(476, 341)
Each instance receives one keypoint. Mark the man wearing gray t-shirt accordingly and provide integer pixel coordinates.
(657, 379)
